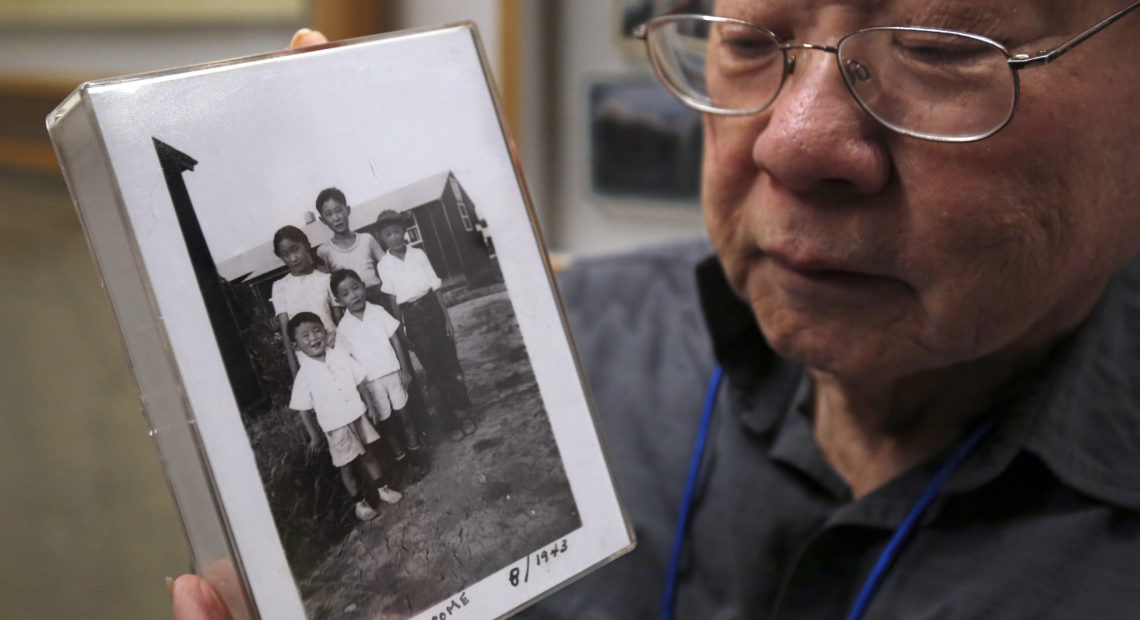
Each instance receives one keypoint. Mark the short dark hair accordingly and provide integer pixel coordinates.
(300, 319)
(291, 233)
(340, 275)
(327, 194)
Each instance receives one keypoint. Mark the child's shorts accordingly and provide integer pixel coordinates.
(387, 394)
(347, 442)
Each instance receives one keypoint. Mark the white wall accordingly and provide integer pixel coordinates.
(586, 223)
(485, 14)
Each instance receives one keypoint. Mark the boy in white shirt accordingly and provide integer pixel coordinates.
(371, 336)
(330, 395)
(348, 249)
(406, 273)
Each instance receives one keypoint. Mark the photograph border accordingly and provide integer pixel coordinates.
(195, 362)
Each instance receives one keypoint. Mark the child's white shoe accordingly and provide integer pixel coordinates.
(364, 512)
(389, 496)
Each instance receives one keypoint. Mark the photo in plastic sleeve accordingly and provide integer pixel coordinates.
(373, 351)
(436, 456)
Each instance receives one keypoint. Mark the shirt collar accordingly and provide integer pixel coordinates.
(1086, 426)
(304, 360)
(349, 316)
(1081, 416)
(390, 256)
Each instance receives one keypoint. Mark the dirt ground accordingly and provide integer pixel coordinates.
(488, 500)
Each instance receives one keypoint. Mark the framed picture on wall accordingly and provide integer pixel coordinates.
(644, 143)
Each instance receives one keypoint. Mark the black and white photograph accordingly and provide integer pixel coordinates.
(437, 432)
(365, 329)
(644, 143)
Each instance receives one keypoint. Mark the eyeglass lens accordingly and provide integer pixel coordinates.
(925, 83)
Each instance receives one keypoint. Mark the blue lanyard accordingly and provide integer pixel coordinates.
(886, 558)
(687, 499)
(904, 531)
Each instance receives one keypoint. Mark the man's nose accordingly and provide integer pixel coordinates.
(817, 134)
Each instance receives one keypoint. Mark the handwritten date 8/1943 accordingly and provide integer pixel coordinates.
(519, 575)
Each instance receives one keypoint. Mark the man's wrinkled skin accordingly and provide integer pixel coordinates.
(914, 278)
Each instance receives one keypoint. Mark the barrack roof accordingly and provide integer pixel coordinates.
(261, 259)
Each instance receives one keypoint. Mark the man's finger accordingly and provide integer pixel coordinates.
(194, 599)
(305, 37)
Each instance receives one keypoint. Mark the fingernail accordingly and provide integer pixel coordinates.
(170, 586)
(297, 36)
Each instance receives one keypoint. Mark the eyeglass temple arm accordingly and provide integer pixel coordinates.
(1044, 57)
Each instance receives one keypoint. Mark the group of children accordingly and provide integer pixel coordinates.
(340, 312)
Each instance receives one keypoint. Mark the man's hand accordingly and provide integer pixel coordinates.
(305, 37)
(194, 599)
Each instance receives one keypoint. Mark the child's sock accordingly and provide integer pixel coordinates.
(393, 436)
(408, 428)
(372, 496)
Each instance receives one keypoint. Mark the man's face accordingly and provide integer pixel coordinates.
(311, 339)
(873, 256)
(334, 214)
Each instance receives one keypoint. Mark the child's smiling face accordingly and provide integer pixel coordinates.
(296, 256)
(311, 339)
(392, 237)
(351, 293)
(335, 215)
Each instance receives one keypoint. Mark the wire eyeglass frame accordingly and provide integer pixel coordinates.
(1015, 61)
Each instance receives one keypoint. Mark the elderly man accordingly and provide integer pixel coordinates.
(925, 308)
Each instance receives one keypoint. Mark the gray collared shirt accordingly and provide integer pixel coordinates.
(1043, 521)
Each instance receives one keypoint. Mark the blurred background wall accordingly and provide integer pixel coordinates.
(87, 525)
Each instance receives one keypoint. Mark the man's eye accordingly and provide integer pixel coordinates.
(941, 54)
(937, 49)
(749, 46)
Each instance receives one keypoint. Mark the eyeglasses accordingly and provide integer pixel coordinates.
(926, 83)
